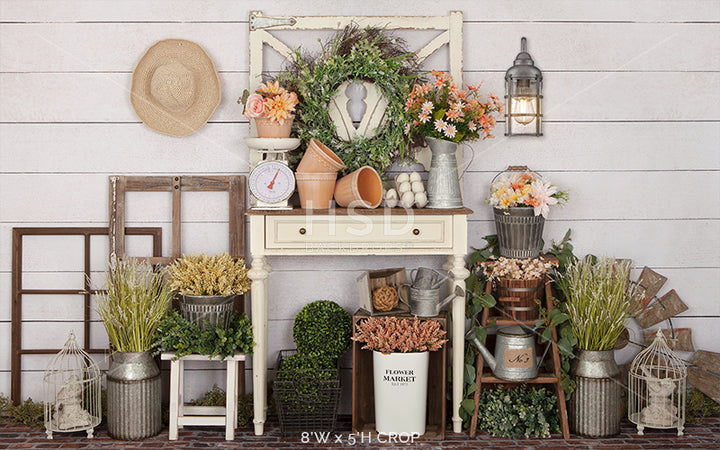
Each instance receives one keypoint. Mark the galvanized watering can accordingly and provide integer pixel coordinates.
(426, 302)
(514, 358)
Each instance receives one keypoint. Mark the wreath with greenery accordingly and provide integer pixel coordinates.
(368, 54)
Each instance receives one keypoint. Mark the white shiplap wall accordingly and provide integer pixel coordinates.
(633, 130)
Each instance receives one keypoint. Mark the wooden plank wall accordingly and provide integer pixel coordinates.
(632, 129)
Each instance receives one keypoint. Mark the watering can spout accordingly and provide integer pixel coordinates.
(457, 292)
(470, 335)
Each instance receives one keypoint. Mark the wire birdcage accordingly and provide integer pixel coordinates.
(71, 386)
(657, 382)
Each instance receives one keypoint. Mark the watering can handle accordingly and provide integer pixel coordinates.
(471, 160)
(400, 296)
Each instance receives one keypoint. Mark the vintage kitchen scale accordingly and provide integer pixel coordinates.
(271, 181)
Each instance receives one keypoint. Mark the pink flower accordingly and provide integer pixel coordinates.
(255, 106)
(543, 192)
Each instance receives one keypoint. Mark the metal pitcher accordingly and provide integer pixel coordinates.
(443, 182)
(514, 358)
(426, 302)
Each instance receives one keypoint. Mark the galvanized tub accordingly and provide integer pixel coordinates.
(134, 395)
(519, 232)
(207, 311)
(595, 406)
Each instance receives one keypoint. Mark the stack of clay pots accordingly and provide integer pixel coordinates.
(316, 175)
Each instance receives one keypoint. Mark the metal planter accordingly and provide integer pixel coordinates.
(595, 406)
(134, 395)
(519, 232)
(207, 311)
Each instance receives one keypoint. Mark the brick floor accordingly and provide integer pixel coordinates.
(703, 435)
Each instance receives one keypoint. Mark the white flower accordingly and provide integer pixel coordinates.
(424, 117)
(440, 125)
(450, 131)
(427, 107)
(542, 192)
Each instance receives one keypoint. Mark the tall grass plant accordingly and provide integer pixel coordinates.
(134, 302)
(598, 293)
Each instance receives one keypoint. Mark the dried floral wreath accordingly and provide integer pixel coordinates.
(369, 54)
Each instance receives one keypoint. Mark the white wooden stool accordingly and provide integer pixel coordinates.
(181, 415)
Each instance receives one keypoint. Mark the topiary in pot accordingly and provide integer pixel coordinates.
(307, 383)
(323, 328)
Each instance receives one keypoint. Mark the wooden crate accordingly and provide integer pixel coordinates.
(373, 279)
(363, 400)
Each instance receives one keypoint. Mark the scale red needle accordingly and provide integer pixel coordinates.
(272, 183)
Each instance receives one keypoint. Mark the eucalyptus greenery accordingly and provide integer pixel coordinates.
(368, 54)
(217, 397)
(182, 337)
(133, 304)
(28, 412)
(598, 293)
(518, 412)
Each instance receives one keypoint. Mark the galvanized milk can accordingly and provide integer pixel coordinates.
(514, 358)
(443, 182)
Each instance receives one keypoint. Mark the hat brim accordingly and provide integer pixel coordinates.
(207, 87)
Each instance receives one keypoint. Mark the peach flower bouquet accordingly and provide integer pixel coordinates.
(270, 101)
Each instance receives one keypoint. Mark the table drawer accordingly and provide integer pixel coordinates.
(318, 231)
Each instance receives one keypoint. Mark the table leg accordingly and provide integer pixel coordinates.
(174, 394)
(230, 396)
(259, 273)
(459, 273)
(181, 390)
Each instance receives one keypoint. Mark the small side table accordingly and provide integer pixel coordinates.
(181, 415)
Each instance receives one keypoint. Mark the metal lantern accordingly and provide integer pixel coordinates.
(71, 391)
(657, 380)
(523, 96)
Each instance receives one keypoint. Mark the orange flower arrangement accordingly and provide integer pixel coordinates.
(271, 101)
(391, 334)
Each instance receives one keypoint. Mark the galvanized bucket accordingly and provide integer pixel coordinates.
(134, 395)
(519, 232)
(207, 311)
(595, 406)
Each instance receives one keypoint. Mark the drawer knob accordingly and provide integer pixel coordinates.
(302, 231)
(416, 231)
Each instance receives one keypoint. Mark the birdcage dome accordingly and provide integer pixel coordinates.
(71, 387)
(657, 383)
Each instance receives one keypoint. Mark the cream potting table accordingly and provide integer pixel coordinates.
(355, 232)
(181, 415)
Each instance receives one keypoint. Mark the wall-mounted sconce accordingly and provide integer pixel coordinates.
(523, 96)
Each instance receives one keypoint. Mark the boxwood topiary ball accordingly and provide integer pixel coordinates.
(323, 327)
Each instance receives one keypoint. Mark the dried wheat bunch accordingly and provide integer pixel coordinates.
(209, 275)
(392, 334)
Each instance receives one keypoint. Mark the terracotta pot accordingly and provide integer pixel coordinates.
(316, 189)
(267, 128)
(319, 158)
(360, 189)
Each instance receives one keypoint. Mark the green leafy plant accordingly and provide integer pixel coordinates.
(209, 275)
(28, 412)
(518, 412)
(698, 406)
(136, 299)
(306, 383)
(216, 397)
(598, 292)
(323, 327)
(178, 335)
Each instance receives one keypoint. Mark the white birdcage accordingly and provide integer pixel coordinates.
(657, 383)
(71, 391)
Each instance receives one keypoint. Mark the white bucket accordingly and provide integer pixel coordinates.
(401, 381)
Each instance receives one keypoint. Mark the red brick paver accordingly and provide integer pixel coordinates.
(703, 435)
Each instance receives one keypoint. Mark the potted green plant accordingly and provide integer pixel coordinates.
(207, 287)
(598, 293)
(401, 356)
(134, 302)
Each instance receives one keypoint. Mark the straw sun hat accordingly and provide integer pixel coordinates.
(175, 87)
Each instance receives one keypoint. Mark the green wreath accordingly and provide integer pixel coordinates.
(368, 54)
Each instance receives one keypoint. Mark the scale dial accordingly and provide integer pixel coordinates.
(272, 182)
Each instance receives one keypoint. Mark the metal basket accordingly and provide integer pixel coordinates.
(208, 311)
(308, 403)
(519, 232)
